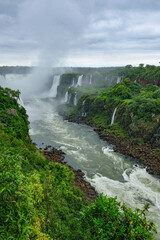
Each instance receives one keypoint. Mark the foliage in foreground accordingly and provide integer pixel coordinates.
(39, 201)
(108, 219)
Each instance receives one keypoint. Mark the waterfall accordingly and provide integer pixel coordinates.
(55, 84)
(20, 101)
(75, 99)
(118, 80)
(69, 98)
(79, 83)
(66, 97)
(83, 110)
(113, 116)
(90, 80)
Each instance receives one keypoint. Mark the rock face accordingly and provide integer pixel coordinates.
(145, 154)
(12, 112)
(58, 156)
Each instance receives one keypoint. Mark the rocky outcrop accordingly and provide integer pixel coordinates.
(12, 112)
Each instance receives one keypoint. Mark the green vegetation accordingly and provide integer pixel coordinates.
(137, 115)
(13, 118)
(38, 199)
(144, 74)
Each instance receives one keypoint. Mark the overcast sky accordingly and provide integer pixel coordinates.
(79, 32)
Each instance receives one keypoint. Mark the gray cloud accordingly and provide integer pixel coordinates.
(54, 25)
(52, 31)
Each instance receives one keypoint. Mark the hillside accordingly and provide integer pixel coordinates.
(142, 74)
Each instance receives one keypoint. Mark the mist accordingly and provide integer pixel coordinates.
(54, 27)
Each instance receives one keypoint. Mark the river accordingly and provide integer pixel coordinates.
(110, 173)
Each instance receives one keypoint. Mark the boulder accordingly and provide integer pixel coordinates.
(12, 112)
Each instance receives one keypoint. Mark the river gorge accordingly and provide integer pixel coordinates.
(109, 172)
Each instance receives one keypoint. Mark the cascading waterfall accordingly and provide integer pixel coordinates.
(66, 97)
(113, 116)
(79, 83)
(83, 110)
(75, 99)
(118, 80)
(20, 101)
(90, 79)
(55, 84)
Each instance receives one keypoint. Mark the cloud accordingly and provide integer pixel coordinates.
(55, 25)
(56, 30)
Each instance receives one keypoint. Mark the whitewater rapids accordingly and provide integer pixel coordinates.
(110, 173)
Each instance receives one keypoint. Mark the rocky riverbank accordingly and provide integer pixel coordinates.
(145, 154)
(58, 156)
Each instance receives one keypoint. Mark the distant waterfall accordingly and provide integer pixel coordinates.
(83, 109)
(66, 97)
(75, 99)
(69, 98)
(118, 80)
(20, 101)
(113, 116)
(90, 80)
(55, 84)
(79, 83)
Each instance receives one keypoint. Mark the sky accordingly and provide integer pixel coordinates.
(84, 33)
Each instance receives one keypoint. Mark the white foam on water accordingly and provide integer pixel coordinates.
(115, 158)
(138, 189)
(109, 172)
(107, 151)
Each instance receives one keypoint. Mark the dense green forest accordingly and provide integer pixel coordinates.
(137, 115)
(143, 74)
(37, 197)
